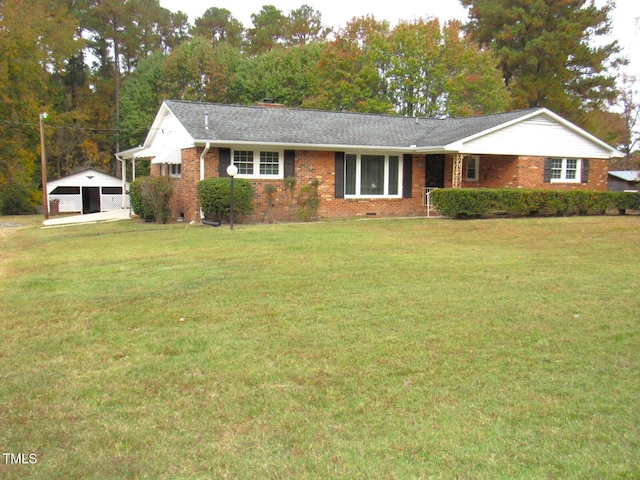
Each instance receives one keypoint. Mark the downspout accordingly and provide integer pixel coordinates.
(204, 153)
(124, 181)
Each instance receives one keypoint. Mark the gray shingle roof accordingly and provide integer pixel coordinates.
(233, 123)
(628, 175)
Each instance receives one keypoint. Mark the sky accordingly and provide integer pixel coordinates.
(336, 13)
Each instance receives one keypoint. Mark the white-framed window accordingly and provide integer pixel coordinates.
(372, 175)
(258, 163)
(565, 170)
(472, 168)
(175, 170)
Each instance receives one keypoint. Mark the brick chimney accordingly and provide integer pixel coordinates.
(269, 103)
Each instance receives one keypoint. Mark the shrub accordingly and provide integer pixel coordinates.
(150, 198)
(464, 202)
(624, 201)
(215, 197)
(139, 207)
(461, 203)
(309, 201)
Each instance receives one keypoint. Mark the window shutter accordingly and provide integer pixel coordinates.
(585, 171)
(547, 170)
(289, 163)
(339, 175)
(407, 175)
(225, 161)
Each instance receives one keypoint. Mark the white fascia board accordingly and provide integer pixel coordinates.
(130, 153)
(155, 126)
(306, 146)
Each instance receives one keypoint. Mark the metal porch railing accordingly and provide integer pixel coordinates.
(427, 201)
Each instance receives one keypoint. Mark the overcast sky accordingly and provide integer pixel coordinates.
(336, 13)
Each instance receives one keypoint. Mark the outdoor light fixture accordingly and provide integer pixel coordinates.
(232, 171)
(43, 166)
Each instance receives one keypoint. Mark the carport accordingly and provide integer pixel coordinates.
(88, 191)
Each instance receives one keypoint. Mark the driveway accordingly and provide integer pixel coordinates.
(110, 216)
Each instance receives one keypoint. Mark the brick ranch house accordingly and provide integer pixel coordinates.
(367, 164)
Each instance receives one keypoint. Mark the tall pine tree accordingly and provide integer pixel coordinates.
(548, 53)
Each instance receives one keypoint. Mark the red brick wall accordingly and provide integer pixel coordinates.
(309, 165)
(503, 171)
(495, 172)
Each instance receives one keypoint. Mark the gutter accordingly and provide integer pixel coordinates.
(309, 146)
(124, 180)
(204, 153)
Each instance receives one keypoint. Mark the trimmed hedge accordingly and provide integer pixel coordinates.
(215, 198)
(476, 202)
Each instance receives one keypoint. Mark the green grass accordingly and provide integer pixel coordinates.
(350, 349)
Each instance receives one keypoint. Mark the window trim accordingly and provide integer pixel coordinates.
(173, 167)
(563, 171)
(476, 159)
(358, 175)
(256, 162)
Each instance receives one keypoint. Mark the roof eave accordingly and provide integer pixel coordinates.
(312, 146)
(128, 154)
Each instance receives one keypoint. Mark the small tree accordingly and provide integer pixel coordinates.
(290, 190)
(309, 201)
(270, 192)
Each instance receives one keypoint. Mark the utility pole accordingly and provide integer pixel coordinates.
(43, 166)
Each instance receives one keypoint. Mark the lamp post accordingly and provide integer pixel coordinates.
(232, 171)
(43, 166)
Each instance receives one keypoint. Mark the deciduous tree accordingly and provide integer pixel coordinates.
(35, 39)
(629, 102)
(349, 70)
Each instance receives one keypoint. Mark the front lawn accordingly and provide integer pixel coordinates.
(350, 349)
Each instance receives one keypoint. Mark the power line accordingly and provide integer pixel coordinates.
(60, 127)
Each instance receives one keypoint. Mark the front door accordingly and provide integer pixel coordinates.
(435, 171)
(90, 199)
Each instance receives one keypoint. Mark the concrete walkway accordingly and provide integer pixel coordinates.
(110, 216)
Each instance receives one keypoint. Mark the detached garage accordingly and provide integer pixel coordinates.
(88, 191)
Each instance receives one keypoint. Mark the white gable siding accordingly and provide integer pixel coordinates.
(537, 136)
(170, 136)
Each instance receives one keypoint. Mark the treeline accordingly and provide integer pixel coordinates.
(100, 69)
